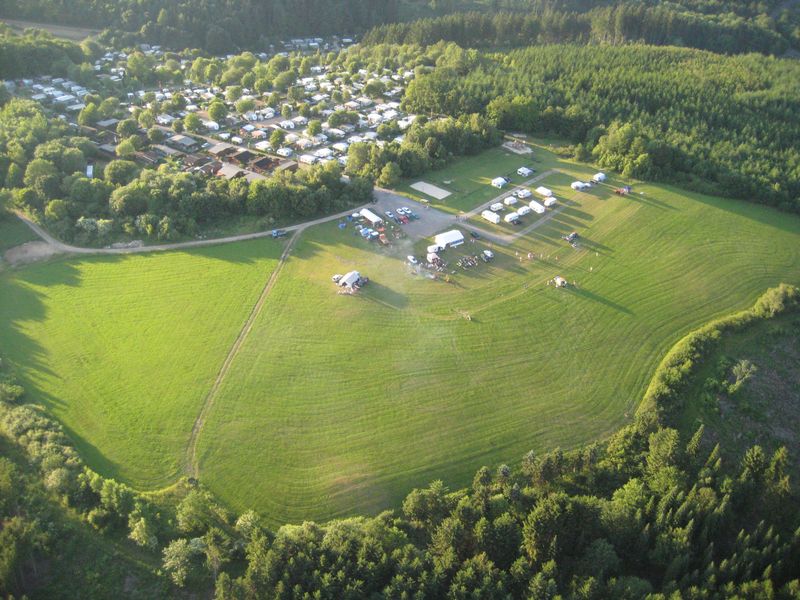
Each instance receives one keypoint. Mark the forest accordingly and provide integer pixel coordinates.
(619, 24)
(650, 513)
(220, 26)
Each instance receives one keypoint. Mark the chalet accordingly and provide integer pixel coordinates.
(183, 142)
(229, 171)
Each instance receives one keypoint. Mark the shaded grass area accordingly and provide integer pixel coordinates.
(765, 410)
(123, 349)
(14, 232)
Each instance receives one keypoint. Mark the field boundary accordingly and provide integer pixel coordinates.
(191, 466)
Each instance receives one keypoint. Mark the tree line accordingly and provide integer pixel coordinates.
(617, 24)
(650, 513)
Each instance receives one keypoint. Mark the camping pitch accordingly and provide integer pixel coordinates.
(430, 190)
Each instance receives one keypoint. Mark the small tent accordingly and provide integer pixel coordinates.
(499, 182)
(350, 279)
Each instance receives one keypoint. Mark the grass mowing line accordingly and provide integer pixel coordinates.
(190, 461)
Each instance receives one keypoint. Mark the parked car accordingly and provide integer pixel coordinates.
(389, 214)
(276, 233)
(412, 260)
(475, 234)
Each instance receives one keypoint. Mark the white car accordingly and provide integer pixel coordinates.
(389, 214)
(412, 260)
(406, 210)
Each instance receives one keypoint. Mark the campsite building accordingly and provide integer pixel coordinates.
(370, 216)
(449, 239)
(490, 216)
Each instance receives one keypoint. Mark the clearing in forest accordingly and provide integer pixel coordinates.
(336, 405)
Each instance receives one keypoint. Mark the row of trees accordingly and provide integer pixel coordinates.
(649, 513)
(36, 53)
(724, 125)
(426, 145)
(617, 24)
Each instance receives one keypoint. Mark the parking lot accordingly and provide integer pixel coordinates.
(431, 221)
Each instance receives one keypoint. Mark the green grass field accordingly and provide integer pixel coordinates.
(469, 179)
(123, 350)
(13, 232)
(336, 405)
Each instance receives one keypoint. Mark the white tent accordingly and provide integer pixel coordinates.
(350, 279)
(579, 185)
(370, 216)
(543, 191)
(536, 207)
(499, 182)
(450, 239)
(491, 216)
(599, 177)
(524, 171)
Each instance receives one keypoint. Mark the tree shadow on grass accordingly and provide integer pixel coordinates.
(589, 295)
(376, 292)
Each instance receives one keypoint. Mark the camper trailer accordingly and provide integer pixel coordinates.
(536, 207)
(490, 216)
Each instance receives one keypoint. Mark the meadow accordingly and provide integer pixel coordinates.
(341, 404)
(123, 349)
(338, 405)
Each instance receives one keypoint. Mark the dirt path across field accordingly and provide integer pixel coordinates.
(191, 466)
